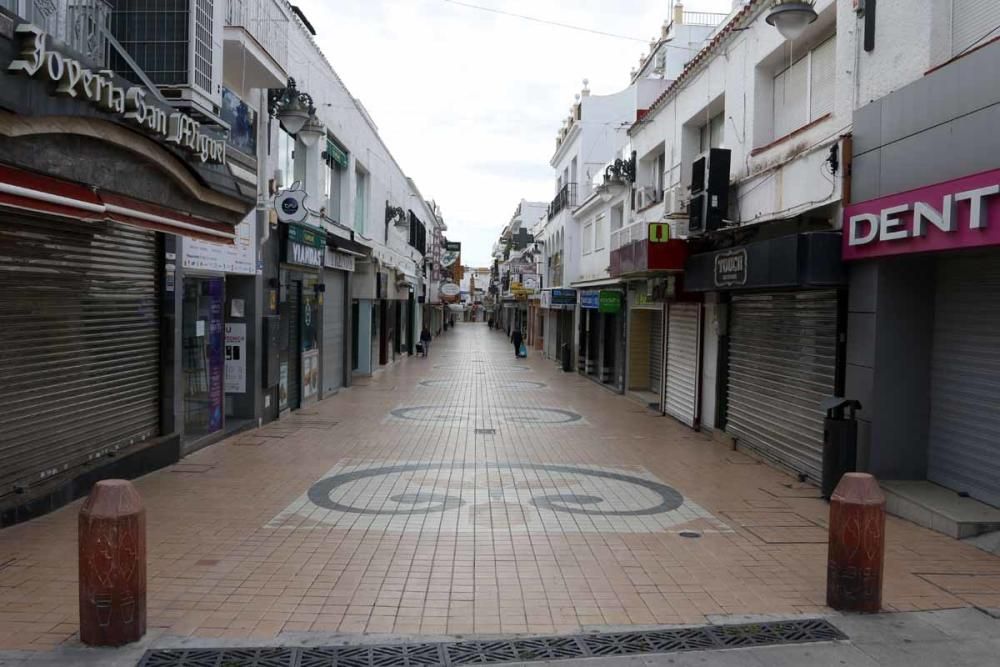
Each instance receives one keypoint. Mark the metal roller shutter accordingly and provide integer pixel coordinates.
(682, 361)
(79, 345)
(782, 363)
(295, 344)
(655, 351)
(972, 23)
(964, 452)
(333, 330)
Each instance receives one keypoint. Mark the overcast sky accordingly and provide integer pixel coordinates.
(469, 101)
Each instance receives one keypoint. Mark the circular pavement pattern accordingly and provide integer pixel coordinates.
(422, 502)
(439, 413)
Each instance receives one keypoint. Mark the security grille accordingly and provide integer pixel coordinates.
(508, 650)
(156, 33)
(203, 26)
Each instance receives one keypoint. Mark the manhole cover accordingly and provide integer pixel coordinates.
(693, 534)
(472, 652)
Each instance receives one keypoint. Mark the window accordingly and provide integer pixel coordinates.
(660, 167)
(600, 232)
(712, 133)
(804, 91)
(360, 201)
(617, 217)
(588, 238)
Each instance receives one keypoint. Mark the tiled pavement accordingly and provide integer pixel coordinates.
(470, 492)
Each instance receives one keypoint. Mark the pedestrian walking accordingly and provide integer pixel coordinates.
(452, 321)
(491, 324)
(517, 338)
(425, 340)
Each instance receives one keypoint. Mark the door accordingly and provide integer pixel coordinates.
(782, 364)
(334, 304)
(295, 344)
(683, 344)
(79, 345)
(655, 351)
(964, 452)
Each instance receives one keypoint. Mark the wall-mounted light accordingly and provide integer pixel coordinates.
(791, 17)
(311, 132)
(291, 107)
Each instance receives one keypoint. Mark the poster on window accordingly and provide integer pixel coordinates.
(310, 374)
(240, 256)
(236, 358)
(283, 386)
(216, 288)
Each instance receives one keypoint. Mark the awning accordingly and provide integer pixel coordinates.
(347, 246)
(26, 191)
(603, 282)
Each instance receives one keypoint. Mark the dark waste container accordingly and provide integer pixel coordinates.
(840, 441)
(567, 358)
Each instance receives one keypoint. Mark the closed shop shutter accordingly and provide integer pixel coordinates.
(655, 351)
(682, 362)
(79, 345)
(964, 452)
(333, 330)
(972, 23)
(782, 364)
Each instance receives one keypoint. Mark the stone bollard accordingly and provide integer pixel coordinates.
(112, 565)
(857, 544)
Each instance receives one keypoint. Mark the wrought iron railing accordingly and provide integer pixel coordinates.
(265, 22)
(711, 19)
(565, 199)
(82, 25)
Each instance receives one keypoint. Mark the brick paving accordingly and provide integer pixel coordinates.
(471, 492)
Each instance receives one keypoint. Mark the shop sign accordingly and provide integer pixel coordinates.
(659, 232)
(530, 281)
(590, 299)
(731, 268)
(306, 236)
(963, 213)
(563, 297)
(290, 205)
(297, 253)
(453, 246)
(236, 358)
(72, 79)
(449, 289)
(339, 261)
(335, 155)
(609, 301)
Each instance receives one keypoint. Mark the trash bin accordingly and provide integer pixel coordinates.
(840, 440)
(567, 358)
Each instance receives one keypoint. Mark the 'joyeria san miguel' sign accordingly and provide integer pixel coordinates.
(74, 80)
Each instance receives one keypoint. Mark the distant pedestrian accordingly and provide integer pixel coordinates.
(517, 338)
(452, 321)
(490, 324)
(425, 340)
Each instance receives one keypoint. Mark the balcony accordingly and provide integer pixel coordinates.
(632, 253)
(707, 19)
(81, 25)
(565, 199)
(256, 43)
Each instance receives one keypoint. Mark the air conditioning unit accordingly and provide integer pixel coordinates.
(178, 44)
(676, 201)
(645, 196)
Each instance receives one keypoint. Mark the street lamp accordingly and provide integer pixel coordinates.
(791, 17)
(292, 108)
(311, 132)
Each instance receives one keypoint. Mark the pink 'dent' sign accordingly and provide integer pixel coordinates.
(963, 213)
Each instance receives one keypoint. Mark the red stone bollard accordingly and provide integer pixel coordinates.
(857, 544)
(112, 565)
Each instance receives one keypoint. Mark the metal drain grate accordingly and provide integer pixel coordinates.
(506, 650)
(486, 431)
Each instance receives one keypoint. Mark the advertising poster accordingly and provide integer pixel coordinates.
(238, 257)
(283, 386)
(215, 352)
(236, 364)
(310, 374)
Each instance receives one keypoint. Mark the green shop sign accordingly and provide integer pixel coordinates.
(335, 155)
(609, 301)
(308, 237)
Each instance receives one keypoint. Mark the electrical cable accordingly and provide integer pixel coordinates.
(558, 24)
(975, 43)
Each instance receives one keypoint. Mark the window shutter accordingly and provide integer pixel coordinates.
(971, 20)
(823, 78)
(790, 93)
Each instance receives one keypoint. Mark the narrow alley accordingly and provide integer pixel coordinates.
(470, 492)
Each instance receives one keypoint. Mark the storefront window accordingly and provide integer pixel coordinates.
(286, 158)
(203, 359)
